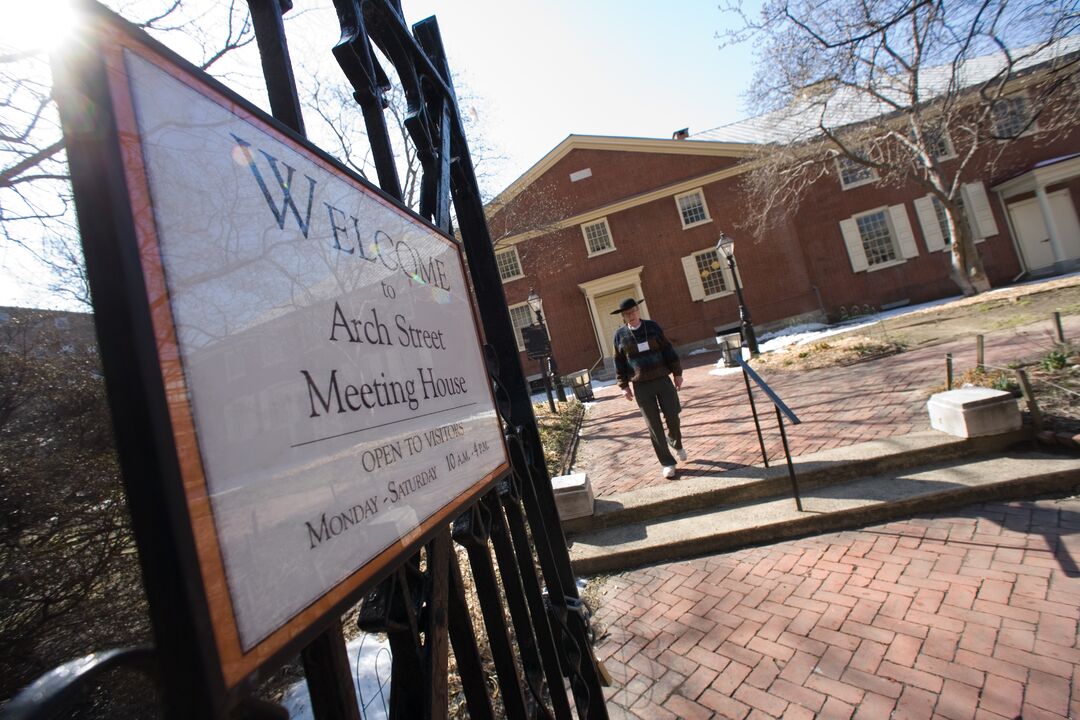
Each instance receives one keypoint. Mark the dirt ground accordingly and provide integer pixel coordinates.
(997, 310)
(1054, 378)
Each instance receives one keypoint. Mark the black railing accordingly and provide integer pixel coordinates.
(782, 410)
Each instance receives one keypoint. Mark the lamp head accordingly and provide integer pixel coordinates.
(725, 245)
(535, 301)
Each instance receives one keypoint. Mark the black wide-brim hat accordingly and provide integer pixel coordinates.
(627, 304)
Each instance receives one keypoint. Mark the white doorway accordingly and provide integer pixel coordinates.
(1033, 236)
(603, 296)
(605, 305)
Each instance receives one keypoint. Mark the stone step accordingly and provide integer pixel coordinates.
(814, 470)
(826, 508)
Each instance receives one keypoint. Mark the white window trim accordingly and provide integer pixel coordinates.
(585, 237)
(517, 331)
(521, 270)
(951, 153)
(693, 278)
(896, 218)
(858, 183)
(704, 205)
(1032, 128)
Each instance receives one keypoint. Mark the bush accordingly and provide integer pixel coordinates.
(69, 577)
(1054, 360)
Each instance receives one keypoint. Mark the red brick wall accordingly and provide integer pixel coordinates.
(651, 235)
(784, 274)
(616, 175)
(925, 277)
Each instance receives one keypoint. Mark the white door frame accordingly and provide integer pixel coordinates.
(609, 283)
(1036, 181)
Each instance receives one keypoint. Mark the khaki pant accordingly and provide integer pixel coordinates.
(655, 397)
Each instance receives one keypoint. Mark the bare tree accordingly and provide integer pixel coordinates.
(35, 193)
(337, 125)
(897, 86)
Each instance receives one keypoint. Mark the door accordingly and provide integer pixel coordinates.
(609, 323)
(1067, 226)
(1033, 237)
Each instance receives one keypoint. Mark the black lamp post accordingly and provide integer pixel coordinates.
(548, 366)
(726, 246)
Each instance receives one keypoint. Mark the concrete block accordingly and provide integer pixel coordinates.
(573, 495)
(974, 412)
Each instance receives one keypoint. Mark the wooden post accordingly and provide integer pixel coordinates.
(1059, 329)
(948, 371)
(1029, 396)
(979, 357)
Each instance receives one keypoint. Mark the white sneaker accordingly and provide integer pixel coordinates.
(681, 454)
(669, 472)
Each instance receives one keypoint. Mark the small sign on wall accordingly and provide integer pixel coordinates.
(321, 376)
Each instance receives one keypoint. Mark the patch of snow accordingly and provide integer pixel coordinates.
(369, 655)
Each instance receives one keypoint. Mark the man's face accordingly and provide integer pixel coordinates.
(631, 316)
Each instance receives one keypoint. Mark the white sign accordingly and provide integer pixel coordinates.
(326, 344)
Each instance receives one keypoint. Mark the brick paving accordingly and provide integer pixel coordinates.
(970, 614)
(837, 406)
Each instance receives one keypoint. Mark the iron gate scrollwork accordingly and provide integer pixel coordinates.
(422, 605)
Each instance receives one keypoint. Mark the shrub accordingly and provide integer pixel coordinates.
(1054, 360)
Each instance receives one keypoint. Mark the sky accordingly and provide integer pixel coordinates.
(545, 69)
(531, 72)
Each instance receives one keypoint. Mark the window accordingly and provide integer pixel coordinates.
(509, 264)
(520, 316)
(1011, 117)
(879, 238)
(938, 143)
(692, 209)
(597, 237)
(707, 275)
(852, 173)
(712, 279)
(974, 207)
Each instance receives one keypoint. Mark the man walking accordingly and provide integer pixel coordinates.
(644, 358)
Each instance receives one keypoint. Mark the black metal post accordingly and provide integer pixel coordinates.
(547, 384)
(753, 409)
(744, 312)
(549, 367)
(553, 368)
(787, 456)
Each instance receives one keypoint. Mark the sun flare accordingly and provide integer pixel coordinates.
(40, 25)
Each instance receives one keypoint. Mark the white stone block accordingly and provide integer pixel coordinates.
(974, 412)
(573, 495)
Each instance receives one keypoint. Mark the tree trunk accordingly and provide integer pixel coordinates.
(967, 267)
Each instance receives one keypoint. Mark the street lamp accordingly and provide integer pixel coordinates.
(549, 368)
(726, 246)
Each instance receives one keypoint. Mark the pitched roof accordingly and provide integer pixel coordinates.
(622, 144)
(845, 106)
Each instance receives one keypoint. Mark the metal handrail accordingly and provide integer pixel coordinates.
(781, 410)
(780, 404)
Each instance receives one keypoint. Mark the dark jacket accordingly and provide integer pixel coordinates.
(634, 365)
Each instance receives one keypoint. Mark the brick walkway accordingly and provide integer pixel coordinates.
(958, 616)
(837, 406)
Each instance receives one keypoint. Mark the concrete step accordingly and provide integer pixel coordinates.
(814, 470)
(853, 503)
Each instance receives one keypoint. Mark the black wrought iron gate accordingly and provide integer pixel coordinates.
(422, 606)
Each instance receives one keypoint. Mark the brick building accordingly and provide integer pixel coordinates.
(600, 219)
